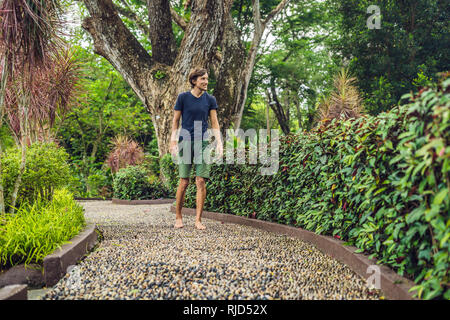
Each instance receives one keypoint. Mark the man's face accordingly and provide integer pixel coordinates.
(202, 82)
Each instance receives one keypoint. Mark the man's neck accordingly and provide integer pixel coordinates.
(197, 92)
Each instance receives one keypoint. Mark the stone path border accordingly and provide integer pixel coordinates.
(85, 199)
(393, 285)
(55, 264)
(134, 202)
(14, 292)
(31, 275)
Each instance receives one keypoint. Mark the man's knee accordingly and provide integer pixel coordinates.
(184, 182)
(199, 181)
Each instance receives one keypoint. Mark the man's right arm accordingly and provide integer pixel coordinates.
(178, 109)
(174, 136)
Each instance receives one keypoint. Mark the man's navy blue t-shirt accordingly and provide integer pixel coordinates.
(195, 109)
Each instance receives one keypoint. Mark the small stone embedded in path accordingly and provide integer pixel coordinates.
(142, 256)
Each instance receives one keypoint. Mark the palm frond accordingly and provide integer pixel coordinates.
(29, 30)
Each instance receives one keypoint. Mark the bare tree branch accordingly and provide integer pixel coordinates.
(260, 26)
(178, 19)
(275, 11)
(130, 14)
(116, 43)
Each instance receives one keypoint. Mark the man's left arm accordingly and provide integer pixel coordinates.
(216, 130)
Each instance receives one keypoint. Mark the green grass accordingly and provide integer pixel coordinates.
(39, 228)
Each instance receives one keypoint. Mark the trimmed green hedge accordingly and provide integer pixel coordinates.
(379, 183)
(133, 183)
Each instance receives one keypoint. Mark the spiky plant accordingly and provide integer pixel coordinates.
(323, 108)
(28, 38)
(125, 152)
(53, 87)
(29, 31)
(344, 102)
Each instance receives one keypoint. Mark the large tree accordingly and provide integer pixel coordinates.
(210, 39)
(298, 68)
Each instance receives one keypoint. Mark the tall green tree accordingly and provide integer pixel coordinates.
(296, 68)
(107, 107)
(412, 42)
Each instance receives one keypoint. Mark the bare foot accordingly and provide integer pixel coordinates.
(199, 225)
(178, 224)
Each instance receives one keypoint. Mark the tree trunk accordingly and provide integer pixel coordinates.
(277, 108)
(2, 99)
(161, 34)
(260, 26)
(268, 114)
(24, 137)
(299, 113)
(228, 91)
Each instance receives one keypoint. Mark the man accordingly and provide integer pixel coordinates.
(194, 106)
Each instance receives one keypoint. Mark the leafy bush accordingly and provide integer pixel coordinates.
(151, 164)
(132, 183)
(379, 96)
(99, 183)
(75, 185)
(46, 169)
(170, 171)
(6, 138)
(38, 229)
(156, 189)
(379, 183)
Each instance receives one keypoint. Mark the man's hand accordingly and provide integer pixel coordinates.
(173, 148)
(219, 149)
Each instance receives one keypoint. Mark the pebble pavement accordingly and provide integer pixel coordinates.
(143, 257)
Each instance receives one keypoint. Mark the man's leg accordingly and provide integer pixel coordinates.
(201, 196)
(181, 191)
(201, 173)
(184, 170)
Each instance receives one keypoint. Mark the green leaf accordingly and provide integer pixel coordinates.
(396, 159)
(379, 191)
(440, 196)
(415, 215)
(435, 143)
(389, 145)
(444, 239)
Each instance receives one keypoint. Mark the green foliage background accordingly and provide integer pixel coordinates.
(413, 38)
(46, 169)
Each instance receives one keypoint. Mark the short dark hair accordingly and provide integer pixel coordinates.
(198, 72)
